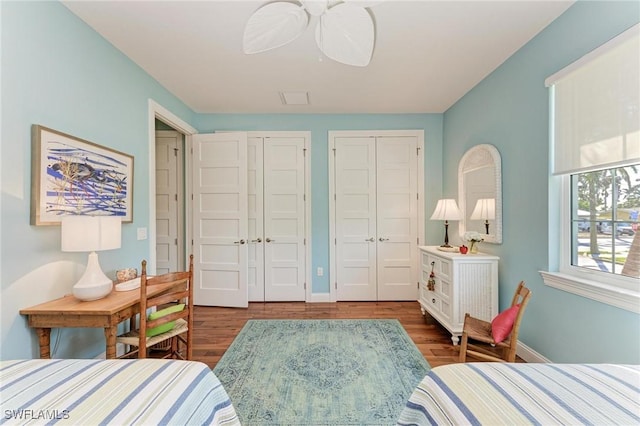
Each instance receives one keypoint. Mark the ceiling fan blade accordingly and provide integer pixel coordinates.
(315, 7)
(272, 26)
(345, 34)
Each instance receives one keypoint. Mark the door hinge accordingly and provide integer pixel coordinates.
(191, 242)
(418, 240)
(175, 152)
(175, 197)
(304, 152)
(418, 284)
(305, 286)
(417, 196)
(176, 241)
(335, 241)
(304, 197)
(304, 240)
(418, 151)
(336, 285)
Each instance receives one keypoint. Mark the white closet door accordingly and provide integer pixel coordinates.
(256, 219)
(284, 218)
(220, 219)
(355, 207)
(166, 201)
(397, 212)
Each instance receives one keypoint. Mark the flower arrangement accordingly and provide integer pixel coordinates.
(474, 238)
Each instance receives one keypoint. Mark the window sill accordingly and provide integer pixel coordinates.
(618, 297)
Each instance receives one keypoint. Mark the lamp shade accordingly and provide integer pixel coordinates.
(485, 209)
(446, 209)
(90, 233)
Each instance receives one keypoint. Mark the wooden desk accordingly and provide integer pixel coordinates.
(69, 312)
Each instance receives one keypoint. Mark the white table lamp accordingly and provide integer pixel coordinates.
(485, 210)
(91, 234)
(446, 209)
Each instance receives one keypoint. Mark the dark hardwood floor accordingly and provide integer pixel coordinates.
(215, 328)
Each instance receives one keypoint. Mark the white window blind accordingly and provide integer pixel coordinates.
(595, 115)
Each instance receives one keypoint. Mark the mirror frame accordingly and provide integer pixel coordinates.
(478, 157)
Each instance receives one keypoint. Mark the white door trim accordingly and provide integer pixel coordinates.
(332, 135)
(158, 111)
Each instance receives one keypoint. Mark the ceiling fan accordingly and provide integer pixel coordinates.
(345, 30)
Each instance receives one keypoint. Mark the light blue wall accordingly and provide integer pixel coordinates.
(319, 125)
(59, 73)
(509, 109)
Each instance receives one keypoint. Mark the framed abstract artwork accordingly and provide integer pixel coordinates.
(71, 176)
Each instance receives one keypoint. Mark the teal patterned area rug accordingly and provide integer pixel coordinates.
(321, 372)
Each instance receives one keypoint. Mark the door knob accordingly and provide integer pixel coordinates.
(239, 242)
(383, 239)
(257, 240)
(269, 240)
(370, 239)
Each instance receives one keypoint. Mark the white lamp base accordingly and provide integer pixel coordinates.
(93, 284)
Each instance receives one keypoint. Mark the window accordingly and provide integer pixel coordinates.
(604, 214)
(595, 143)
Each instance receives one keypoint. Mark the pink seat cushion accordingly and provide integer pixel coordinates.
(503, 323)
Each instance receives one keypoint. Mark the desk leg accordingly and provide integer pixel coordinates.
(110, 337)
(44, 339)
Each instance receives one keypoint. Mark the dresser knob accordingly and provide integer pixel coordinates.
(433, 300)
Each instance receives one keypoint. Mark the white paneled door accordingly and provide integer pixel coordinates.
(355, 205)
(376, 215)
(284, 218)
(256, 218)
(220, 219)
(168, 196)
(397, 217)
(277, 252)
(250, 213)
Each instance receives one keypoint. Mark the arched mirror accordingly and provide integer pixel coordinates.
(480, 193)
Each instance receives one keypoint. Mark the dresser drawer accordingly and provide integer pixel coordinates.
(443, 268)
(440, 307)
(443, 288)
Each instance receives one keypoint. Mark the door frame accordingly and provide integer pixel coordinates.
(161, 113)
(332, 135)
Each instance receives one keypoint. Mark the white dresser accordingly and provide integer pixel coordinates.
(463, 283)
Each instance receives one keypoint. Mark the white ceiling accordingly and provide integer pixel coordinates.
(427, 54)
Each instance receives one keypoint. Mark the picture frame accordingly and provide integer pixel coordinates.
(72, 176)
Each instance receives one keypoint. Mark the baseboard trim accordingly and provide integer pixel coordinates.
(529, 355)
(320, 298)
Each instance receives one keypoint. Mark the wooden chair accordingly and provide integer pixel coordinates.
(484, 346)
(170, 323)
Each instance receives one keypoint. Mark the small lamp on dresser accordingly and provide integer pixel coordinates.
(91, 234)
(446, 209)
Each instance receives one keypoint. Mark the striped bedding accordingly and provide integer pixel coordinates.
(117, 392)
(518, 394)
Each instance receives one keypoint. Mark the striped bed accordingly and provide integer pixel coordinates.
(518, 394)
(118, 392)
